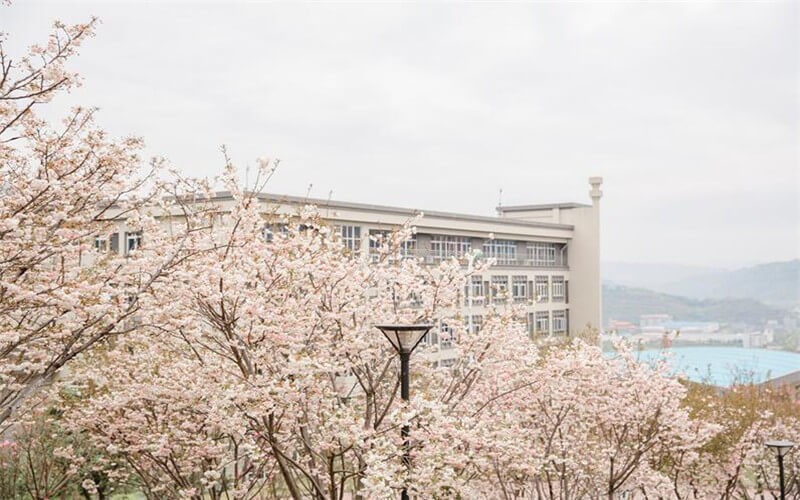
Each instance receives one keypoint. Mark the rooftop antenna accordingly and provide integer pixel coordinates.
(328, 203)
(500, 198)
(308, 191)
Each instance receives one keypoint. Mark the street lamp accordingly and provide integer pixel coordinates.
(780, 448)
(404, 339)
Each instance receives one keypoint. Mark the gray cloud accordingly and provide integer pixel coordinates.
(689, 111)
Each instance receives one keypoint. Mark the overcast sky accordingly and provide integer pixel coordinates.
(689, 111)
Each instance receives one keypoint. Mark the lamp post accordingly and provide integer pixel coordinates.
(780, 448)
(404, 339)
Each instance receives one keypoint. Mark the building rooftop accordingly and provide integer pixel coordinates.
(411, 212)
(542, 206)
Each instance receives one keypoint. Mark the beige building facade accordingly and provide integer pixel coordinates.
(547, 257)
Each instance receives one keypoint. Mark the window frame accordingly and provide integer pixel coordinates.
(559, 316)
(499, 284)
(541, 288)
(351, 236)
(444, 246)
(542, 317)
(134, 237)
(503, 251)
(102, 243)
(558, 288)
(519, 288)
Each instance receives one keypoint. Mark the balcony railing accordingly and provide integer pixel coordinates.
(429, 257)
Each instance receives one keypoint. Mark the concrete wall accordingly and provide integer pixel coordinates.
(585, 291)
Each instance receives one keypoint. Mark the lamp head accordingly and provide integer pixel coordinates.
(781, 448)
(404, 338)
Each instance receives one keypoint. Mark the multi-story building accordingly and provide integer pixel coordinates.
(547, 256)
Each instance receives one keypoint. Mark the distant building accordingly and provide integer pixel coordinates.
(755, 340)
(653, 322)
(692, 326)
(621, 327)
(659, 323)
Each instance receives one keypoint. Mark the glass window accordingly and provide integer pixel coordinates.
(430, 338)
(446, 339)
(476, 323)
(444, 247)
(503, 251)
(101, 243)
(133, 240)
(447, 363)
(351, 237)
(379, 237)
(519, 288)
(547, 254)
(270, 230)
(559, 321)
(473, 289)
(542, 322)
(499, 288)
(558, 288)
(541, 288)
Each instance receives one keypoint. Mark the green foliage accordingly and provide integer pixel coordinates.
(41, 459)
(789, 341)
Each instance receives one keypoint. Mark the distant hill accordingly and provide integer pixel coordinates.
(651, 276)
(776, 284)
(627, 304)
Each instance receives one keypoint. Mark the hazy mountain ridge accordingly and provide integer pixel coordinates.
(776, 283)
(628, 303)
(650, 275)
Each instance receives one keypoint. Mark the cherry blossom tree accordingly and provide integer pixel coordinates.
(64, 190)
(257, 371)
(266, 329)
(233, 353)
(735, 463)
(580, 426)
